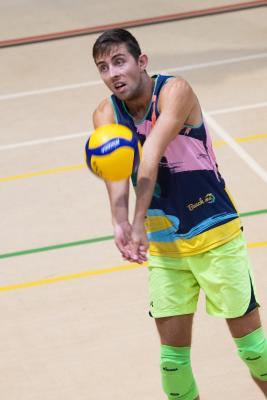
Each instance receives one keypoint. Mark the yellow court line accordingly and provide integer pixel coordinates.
(256, 244)
(87, 274)
(216, 143)
(70, 277)
(219, 143)
(43, 172)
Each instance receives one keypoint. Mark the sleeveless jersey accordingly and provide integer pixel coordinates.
(191, 210)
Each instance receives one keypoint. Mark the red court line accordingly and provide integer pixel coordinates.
(133, 23)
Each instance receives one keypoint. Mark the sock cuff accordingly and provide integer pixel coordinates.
(175, 352)
(249, 340)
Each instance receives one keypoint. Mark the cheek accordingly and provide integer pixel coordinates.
(106, 80)
(131, 70)
(133, 76)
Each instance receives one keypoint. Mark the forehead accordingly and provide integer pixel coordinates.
(112, 51)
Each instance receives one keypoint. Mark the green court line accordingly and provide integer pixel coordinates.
(56, 247)
(250, 213)
(90, 241)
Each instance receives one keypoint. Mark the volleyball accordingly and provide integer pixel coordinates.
(113, 152)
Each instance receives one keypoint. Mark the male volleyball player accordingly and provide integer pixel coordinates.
(183, 214)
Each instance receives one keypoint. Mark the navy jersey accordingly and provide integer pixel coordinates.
(191, 210)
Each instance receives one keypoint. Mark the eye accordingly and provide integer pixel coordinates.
(119, 61)
(103, 68)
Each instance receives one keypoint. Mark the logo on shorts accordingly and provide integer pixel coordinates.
(209, 198)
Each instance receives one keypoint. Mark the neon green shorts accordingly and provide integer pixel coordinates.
(223, 273)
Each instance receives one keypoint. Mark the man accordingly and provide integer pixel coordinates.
(193, 231)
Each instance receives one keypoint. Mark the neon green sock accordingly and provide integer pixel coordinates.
(252, 349)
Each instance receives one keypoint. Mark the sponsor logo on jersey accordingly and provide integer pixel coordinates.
(209, 198)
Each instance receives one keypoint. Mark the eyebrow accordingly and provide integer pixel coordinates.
(115, 56)
(100, 62)
(118, 55)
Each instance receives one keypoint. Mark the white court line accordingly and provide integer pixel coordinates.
(239, 108)
(236, 147)
(216, 63)
(85, 134)
(169, 70)
(44, 141)
(50, 90)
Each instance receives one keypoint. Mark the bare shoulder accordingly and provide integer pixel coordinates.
(176, 91)
(177, 86)
(103, 114)
(178, 100)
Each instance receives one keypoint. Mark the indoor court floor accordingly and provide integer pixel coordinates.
(74, 315)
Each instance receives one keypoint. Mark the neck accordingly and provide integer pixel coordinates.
(139, 104)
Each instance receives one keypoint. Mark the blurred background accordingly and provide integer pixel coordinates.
(74, 315)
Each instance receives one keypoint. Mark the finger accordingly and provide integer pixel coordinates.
(126, 252)
(134, 251)
(142, 252)
(143, 247)
(140, 257)
(143, 258)
(123, 250)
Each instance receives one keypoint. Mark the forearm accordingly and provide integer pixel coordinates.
(119, 200)
(147, 176)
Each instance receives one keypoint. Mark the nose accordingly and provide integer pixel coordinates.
(113, 71)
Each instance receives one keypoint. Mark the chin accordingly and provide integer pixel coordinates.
(124, 96)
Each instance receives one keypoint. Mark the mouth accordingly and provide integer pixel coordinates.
(119, 86)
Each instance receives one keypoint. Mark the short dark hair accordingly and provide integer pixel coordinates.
(113, 37)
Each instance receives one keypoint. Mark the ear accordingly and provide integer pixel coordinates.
(143, 61)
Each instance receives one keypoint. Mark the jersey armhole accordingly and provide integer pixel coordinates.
(195, 126)
(163, 84)
(114, 109)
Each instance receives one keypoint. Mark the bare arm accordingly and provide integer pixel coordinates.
(177, 101)
(118, 192)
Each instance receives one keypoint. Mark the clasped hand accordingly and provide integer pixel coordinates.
(131, 240)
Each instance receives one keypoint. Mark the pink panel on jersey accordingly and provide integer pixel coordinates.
(185, 153)
(144, 128)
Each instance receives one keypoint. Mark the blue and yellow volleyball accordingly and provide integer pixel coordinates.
(113, 152)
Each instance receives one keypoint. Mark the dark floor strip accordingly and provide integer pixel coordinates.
(133, 23)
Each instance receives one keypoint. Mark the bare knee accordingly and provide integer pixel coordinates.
(245, 324)
(175, 331)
